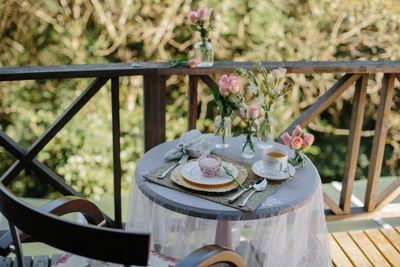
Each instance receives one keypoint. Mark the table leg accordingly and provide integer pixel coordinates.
(223, 234)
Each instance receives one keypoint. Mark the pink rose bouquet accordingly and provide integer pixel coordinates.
(299, 141)
(202, 21)
(223, 94)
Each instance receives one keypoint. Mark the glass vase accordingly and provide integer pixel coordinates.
(222, 129)
(248, 148)
(204, 52)
(264, 133)
(299, 160)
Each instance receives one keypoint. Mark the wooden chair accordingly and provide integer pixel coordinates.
(90, 240)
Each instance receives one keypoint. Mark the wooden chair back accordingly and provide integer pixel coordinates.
(90, 241)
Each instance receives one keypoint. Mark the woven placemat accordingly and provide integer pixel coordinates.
(221, 197)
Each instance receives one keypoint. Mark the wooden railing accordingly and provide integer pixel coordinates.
(154, 83)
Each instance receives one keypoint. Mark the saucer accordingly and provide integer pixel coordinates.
(258, 169)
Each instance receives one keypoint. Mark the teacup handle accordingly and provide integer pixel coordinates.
(282, 167)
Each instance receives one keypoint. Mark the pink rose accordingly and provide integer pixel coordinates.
(224, 85)
(235, 85)
(223, 80)
(192, 16)
(308, 140)
(297, 142)
(224, 91)
(297, 131)
(193, 63)
(287, 139)
(229, 84)
(202, 13)
(254, 112)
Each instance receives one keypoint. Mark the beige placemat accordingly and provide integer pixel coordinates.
(221, 197)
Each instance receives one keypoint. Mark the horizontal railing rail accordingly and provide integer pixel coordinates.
(154, 85)
(163, 68)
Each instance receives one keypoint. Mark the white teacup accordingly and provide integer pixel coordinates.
(275, 160)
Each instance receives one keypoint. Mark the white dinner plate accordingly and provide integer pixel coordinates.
(191, 171)
(258, 169)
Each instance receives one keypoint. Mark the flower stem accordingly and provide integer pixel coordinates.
(231, 175)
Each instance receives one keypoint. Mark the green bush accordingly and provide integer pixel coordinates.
(86, 32)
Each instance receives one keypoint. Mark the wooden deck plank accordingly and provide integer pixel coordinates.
(339, 258)
(384, 246)
(393, 236)
(350, 248)
(369, 250)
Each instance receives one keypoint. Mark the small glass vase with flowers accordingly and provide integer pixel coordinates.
(249, 116)
(267, 92)
(202, 21)
(300, 142)
(223, 94)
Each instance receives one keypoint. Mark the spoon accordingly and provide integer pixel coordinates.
(290, 171)
(257, 187)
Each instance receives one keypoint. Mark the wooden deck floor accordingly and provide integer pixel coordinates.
(373, 247)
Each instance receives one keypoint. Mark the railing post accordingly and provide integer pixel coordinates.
(192, 101)
(353, 143)
(154, 110)
(116, 151)
(378, 143)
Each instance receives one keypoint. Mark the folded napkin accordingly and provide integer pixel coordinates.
(193, 143)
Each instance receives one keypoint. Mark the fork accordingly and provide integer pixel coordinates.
(181, 161)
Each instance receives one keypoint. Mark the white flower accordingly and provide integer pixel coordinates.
(253, 88)
(276, 90)
(260, 99)
(276, 73)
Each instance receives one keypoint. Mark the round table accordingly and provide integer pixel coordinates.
(174, 217)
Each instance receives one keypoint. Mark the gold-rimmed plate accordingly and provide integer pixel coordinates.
(178, 178)
(191, 172)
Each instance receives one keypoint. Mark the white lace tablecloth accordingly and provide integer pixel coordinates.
(288, 229)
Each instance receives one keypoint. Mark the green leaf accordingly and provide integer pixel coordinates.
(194, 28)
(228, 111)
(216, 92)
(220, 106)
(236, 133)
(233, 105)
(174, 62)
(184, 58)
